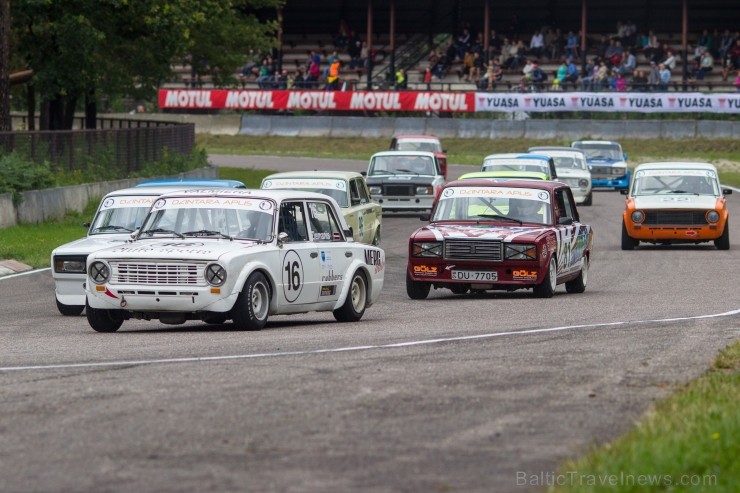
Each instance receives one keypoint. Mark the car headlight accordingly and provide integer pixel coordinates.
(376, 190)
(215, 274)
(638, 216)
(520, 251)
(99, 272)
(424, 190)
(583, 183)
(618, 170)
(712, 216)
(427, 249)
(70, 264)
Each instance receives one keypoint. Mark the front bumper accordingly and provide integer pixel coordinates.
(682, 234)
(154, 299)
(510, 273)
(70, 288)
(617, 182)
(405, 203)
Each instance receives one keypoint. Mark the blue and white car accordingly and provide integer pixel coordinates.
(607, 163)
(119, 214)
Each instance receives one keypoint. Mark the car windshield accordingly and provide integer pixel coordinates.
(402, 165)
(418, 145)
(504, 204)
(121, 214)
(223, 217)
(569, 162)
(336, 189)
(516, 165)
(602, 151)
(663, 181)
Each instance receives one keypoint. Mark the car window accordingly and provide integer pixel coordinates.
(324, 226)
(362, 187)
(354, 193)
(293, 221)
(563, 205)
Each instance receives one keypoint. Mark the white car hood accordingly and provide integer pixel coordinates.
(90, 244)
(574, 173)
(675, 201)
(175, 249)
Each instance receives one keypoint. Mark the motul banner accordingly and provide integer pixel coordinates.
(318, 100)
(668, 102)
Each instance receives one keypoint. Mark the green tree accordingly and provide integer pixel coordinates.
(83, 50)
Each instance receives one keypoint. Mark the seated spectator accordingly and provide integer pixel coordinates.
(621, 83)
(587, 81)
(737, 81)
(477, 70)
(670, 60)
(332, 81)
(463, 44)
(494, 73)
(562, 72)
(601, 77)
(653, 82)
(628, 64)
(495, 43)
(428, 78)
(538, 77)
(706, 64)
(467, 66)
(554, 43)
(571, 46)
(537, 44)
(572, 73)
(665, 77)
(401, 80)
(639, 81)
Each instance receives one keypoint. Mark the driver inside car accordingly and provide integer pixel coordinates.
(528, 211)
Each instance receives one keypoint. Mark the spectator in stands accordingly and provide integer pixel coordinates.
(494, 73)
(706, 64)
(401, 80)
(614, 52)
(620, 83)
(554, 43)
(705, 40)
(450, 55)
(313, 69)
(428, 78)
(477, 45)
(477, 70)
(354, 50)
(538, 77)
(653, 78)
(571, 45)
(725, 44)
(639, 81)
(601, 77)
(665, 77)
(281, 79)
(587, 81)
(628, 64)
(670, 60)
(332, 80)
(737, 81)
(602, 46)
(265, 73)
(495, 44)
(463, 43)
(537, 44)
(527, 69)
(572, 74)
(467, 66)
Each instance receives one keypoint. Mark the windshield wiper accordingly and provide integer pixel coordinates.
(207, 232)
(151, 232)
(499, 216)
(407, 171)
(109, 227)
(683, 191)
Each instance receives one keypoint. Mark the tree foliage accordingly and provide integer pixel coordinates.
(79, 48)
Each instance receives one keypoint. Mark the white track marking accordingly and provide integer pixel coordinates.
(11, 276)
(196, 359)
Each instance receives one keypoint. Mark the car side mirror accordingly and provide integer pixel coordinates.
(86, 225)
(565, 221)
(727, 191)
(363, 173)
(424, 217)
(282, 238)
(625, 156)
(349, 233)
(624, 191)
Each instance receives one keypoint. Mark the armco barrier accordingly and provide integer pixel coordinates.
(52, 203)
(347, 126)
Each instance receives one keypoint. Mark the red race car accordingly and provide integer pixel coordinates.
(501, 235)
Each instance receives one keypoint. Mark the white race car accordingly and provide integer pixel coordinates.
(572, 170)
(214, 255)
(119, 214)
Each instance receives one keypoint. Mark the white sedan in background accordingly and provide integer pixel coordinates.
(572, 170)
(215, 255)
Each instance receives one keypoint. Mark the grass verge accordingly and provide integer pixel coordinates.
(688, 442)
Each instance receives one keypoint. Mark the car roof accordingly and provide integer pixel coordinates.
(561, 151)
(340, 175)
(483, 182)
(145, 191)
(516, 155)
(511, 175)
(404, 153)
(193, 182)
(677, 165)
(597, 142)
(277, 195)
(536, 149)
(415, 137)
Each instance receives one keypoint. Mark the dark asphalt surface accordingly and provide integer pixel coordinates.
(453, 394)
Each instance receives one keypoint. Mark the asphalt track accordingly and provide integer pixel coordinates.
(455, 393)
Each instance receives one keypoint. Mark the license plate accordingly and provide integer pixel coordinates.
(470, 275)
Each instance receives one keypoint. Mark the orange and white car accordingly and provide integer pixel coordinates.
(675, 202)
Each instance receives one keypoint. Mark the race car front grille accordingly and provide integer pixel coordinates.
(485, 250)
(601, 171)
(675, 218)
(158, 273)
(398, 190)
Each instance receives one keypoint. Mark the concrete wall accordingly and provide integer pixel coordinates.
(347, 126)
(52, 203)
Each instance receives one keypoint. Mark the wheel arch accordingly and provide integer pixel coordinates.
(271, 282)
(354, 268)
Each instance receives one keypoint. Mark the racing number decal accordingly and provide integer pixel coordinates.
(292, 276)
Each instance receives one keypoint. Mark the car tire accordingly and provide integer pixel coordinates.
(253, 304)
(417, 290)
(723, 242)
(628, 243)
(578, 285)
(546, 289)
(376, 238)
(69, 310)
(103, 320)
(589, 199)
(459, 288)
(356, 302)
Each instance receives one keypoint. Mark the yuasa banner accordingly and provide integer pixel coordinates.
(665, 102)
(455, 102)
